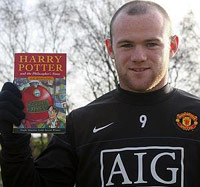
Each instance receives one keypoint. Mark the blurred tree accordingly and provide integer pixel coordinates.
(14, 35)
(185, 65)
(52, 20)
(91, 29)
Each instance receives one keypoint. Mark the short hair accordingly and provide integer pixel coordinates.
(139, 7)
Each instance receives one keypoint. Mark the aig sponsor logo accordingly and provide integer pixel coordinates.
(143, 166)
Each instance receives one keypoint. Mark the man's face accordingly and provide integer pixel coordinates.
(141, 48)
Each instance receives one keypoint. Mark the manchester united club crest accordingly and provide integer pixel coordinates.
(187, 121)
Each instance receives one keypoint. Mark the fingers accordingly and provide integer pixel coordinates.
(11, 107)
(12, 88)
(11, 113)
(9, 118)
(10, 97)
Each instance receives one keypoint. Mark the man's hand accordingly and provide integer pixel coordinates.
(11, 108)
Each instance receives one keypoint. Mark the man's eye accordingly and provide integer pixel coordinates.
(127, 45)
(152, 44)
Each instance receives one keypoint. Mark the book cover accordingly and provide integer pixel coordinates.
(41, 78)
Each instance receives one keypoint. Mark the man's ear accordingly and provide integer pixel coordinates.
(174, 45)
(109, 48)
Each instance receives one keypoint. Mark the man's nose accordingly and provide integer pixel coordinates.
(138, 54)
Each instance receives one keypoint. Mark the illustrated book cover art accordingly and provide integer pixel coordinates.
(41, 78)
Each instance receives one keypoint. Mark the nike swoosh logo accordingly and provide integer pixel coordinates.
(95, 130)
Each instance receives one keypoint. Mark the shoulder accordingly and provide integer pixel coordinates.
(96, 109)
(104, 100)
(109, 97)
(183, 95)
(183, 101)
(82, 120)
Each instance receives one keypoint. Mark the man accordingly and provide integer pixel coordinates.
(144, 133)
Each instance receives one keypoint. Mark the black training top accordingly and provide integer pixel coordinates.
(120, 139)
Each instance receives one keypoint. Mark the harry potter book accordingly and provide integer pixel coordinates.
(41, 78)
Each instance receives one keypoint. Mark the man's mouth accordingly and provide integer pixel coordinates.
(139, 69)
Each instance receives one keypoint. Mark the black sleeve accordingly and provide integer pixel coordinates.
(17, 166)
(56, 166)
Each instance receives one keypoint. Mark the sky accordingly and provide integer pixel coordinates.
(175, 8)
(178, 8)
